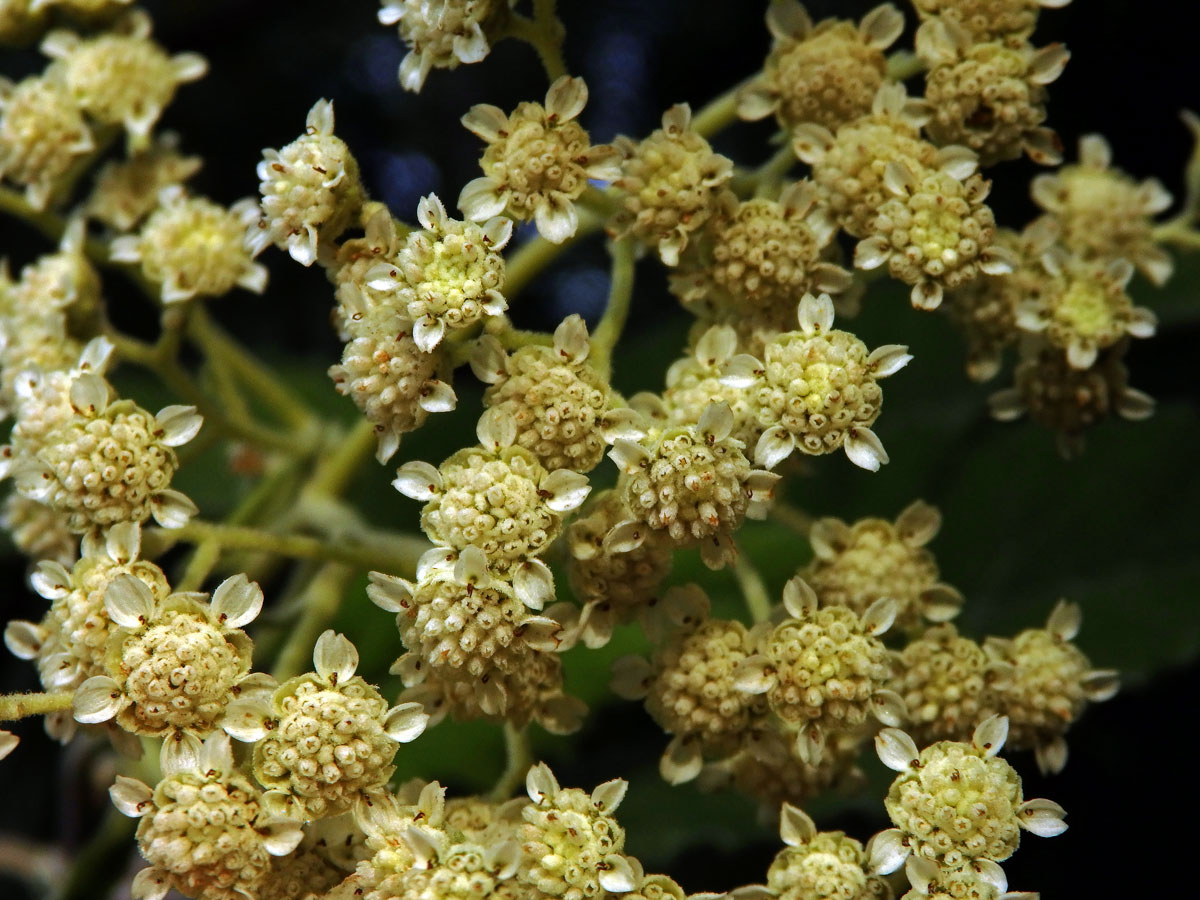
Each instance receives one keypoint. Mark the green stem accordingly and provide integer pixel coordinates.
(537, 253)
(335, 472)
(96, 866)
(321, 600)
(390, 552)
(519, 757)
(516, 338)
(1178, 233)
(754, 590)
(178, 380)
(273, 390)
(20, 706)
(718, 114)
(796, 519)
(544, 32)
(204, 559)
(608, 330)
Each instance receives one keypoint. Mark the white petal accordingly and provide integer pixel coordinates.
(741, 371)
(889, 708)
(496, 429)
(566, 98)
(926, 295)
(437, 397)
(1101, 684)
(129, 601)
(754, 675)
(716, 421)
(248, 719)
(533, 584)
(1051, 756)
(556, 220)
(815, 314)
(625, 537)
(123, 542)
(178, 424)
(889, 359)
(896, 749)
(171, 509)
(431, 212)
(608, 796)
(334, 657)
(774, 446)
(617, 878)
(567, 490)
(990, 734)
(428, 332)
(865, 449)
(51, 580)
(799, 599)
(389, 593)
(1042, 817)
(631, 677)
(97, 700)
(681, 762)
(796, 827)
(131, 797)
(486, 121)
(180, 753)
(418, 480)
(880, 616)
(405, 722)
(991, 872)
(149, 884)
(281, 836)
(237, 601)
(1065, 620)
(480, 200)
(886, 852)
(24, 639)
(540, 783)
(941, 602)
(628, 455)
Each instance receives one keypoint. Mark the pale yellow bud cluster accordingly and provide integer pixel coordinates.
(697, 380)
(326, 738)
(42, 133)
(944, 680)
(310, 190)
(125, 191)
(691, 483)
(1044, 683)
(670, 184)
(690, 684)
(986, 309)
(1102, 213)
(69, 644)
(989, 96)
(988, 19)
(824, 671)
(826, 865)
(558, 401)
(850, 162)
(111, 461)
(442, 35)
(855, 565)
(121, 76)
(537, 162)
(816, 389)
(571, 844)
(38, 531)
(955, 802)
(203, 829)
(613, 587)
(194, 247)
(447, 277)
(1066, 399)
(770, 770)
(827, 73)
(756, 256)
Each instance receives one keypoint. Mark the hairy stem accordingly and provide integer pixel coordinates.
(545, 33)
(20, 706)
(519, 757)
(612, 323)
(718, 114)
(321, 600)
(754, 590)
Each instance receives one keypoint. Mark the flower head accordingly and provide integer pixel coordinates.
(537, 162)
(442, 35)
(825, 74)
(671, 184)
(42, 133)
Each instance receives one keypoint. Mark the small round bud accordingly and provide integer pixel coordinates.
(944, 681)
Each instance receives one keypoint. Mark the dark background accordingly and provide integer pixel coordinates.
(1114, 530)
